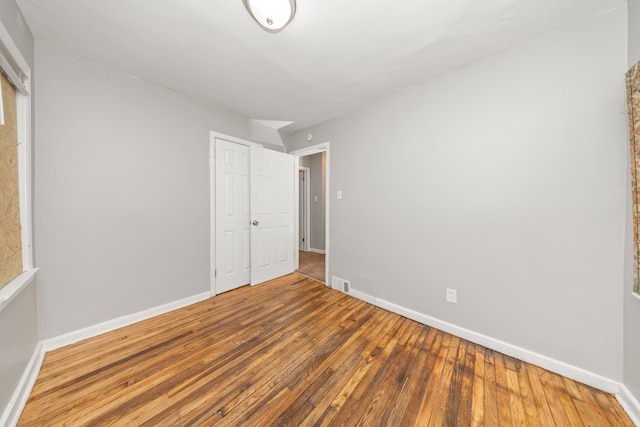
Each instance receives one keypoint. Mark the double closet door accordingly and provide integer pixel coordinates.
(254, 214)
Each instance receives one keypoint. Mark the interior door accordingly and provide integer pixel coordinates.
(232, 210)
(272, 207)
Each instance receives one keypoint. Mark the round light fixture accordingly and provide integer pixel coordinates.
(272, 15)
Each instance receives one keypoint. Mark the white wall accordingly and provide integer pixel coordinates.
(634, 31)
(631, 303)
(318, 208)
(18, 328)
(504, 180)
(317, 232)
(266, 136)
(121, 192)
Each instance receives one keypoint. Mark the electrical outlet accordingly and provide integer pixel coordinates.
(452, 296)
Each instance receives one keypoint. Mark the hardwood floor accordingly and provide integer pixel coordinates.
(293, 352)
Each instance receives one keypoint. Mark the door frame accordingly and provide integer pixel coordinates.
(306, 204)
(318, 148)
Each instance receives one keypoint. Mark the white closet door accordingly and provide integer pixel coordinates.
(254, 214)
(272, 213)
(233, 209)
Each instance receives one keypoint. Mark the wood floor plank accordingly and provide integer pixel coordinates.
(466, 388)
(333, 401)
(614, 411)
(453, 413)
(294, 352)
(310, 360)
(271, 352)
(382, 405)
(319, 371)
(197, 384)
(505, 416)
(406, 382)
(527, 395)
(490, 390)
(555, 393)
(593, 406)
(417, 387)
(358, 400)
(440, 392)
(477, 400)
(515, 399)
(537, 391)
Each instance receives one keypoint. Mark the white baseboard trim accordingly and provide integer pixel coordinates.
(562, 368)
(317, 251)
(110, 325)
(362, 296)
(629, 403)
(21, 394)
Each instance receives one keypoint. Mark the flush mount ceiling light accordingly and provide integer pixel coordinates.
(272, 15)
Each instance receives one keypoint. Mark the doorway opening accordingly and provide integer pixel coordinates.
(313, 212)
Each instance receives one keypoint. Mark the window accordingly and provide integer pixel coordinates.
(16, 259)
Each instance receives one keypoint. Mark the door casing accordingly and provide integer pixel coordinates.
(318, 148)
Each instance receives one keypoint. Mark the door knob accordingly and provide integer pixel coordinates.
(255, 222)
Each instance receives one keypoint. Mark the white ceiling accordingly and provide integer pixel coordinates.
(335, 56)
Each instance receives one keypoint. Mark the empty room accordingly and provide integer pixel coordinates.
(463, 174)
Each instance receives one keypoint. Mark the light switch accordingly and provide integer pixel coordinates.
(339, 194)
(315, 198)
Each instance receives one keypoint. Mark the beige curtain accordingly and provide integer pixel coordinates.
(633, 102)
(10, 233)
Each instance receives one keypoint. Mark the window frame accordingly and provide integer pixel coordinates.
(19, 74)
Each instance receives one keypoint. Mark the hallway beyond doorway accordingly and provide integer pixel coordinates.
(312, 265)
